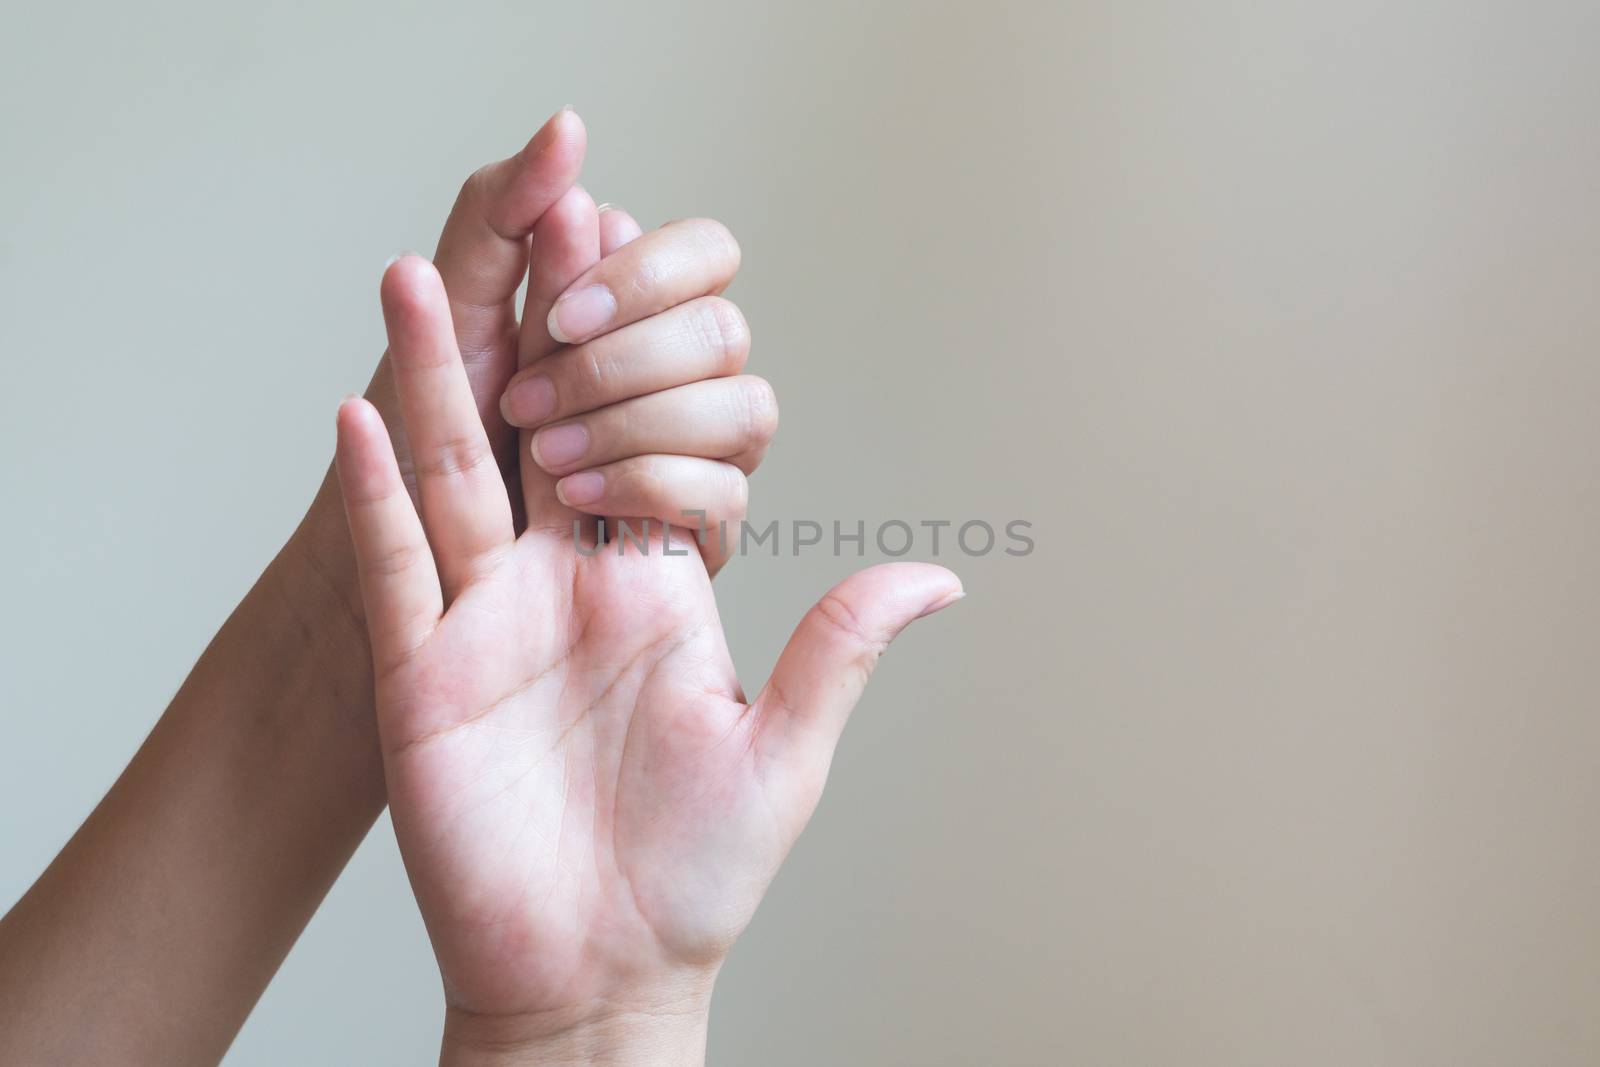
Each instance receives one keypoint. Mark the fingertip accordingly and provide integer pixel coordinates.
(349, 410)
(574, 206)
(903, 592)
(940, 587)
(529, 401)
(554, 327)
(908, 573)
(416, 309)
(940, 603)
(357, 420)
(560, 142)
(568, 128)
(564, 240)
(934, 574)
(359, 436)
(583, 490)
(409, 275)
(617, 228)
(518, 191)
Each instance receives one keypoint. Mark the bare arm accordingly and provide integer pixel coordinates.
(152, 934)
(154, 931)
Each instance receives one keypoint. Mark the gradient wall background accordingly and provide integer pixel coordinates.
(1279, 321)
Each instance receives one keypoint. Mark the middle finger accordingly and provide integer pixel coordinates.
(704, 338)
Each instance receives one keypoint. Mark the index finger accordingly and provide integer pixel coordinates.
(660, 270)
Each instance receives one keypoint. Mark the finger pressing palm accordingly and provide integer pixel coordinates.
(586, 803)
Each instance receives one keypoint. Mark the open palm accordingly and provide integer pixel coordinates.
(587, 805)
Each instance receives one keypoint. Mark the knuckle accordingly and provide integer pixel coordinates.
(588, 375)
(726, 332)
(748, 460)
(619, 423)
(482, 196)
(359, 495)
(738, 495)
(758, 408)
(393, 561)
(839, 617)
(649, 276)
(640, 480)
(721, 243)
(477, 193)
(453, 456)
(638, 277)
(472, 189)
(714, 241)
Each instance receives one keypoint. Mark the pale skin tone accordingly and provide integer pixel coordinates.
(589, 807)
(155, 930)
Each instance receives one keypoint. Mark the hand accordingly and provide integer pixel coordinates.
(203, 863)
(646, 415)
(483, 257)
(588, 807)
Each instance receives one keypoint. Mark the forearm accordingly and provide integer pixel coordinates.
(152, 934)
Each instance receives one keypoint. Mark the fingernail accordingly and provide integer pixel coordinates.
(578, 315)
(559, 446)
(392, 260)
(576, 490)
(601, 209)
(942, 603)
(529, 402)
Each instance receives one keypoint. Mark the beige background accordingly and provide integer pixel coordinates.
(1278, 320)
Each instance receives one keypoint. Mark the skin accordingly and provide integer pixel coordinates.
(154, 932)
(589, 807)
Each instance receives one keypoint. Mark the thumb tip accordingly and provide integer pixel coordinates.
(884, 599)
(941, 602)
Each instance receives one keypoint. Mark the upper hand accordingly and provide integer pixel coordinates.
(530, 201)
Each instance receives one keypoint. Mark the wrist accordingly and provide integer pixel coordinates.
(310, 593)
(319, 557)
(668, 1030)
(315, 577)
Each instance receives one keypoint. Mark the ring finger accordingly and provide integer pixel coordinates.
(720, 418)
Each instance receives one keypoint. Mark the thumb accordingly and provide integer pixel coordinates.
(483, 251)
(825, 666)
(482, 258)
